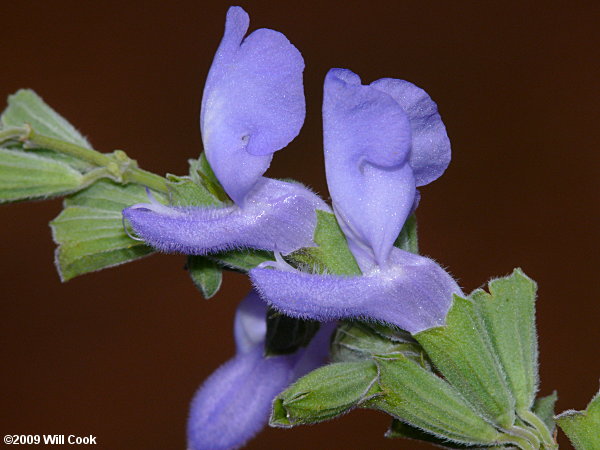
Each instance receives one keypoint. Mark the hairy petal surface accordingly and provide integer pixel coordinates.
(367, 138)
(430, 151)
(253, 103)
(413, 293)
(234, 403)
(277, 216)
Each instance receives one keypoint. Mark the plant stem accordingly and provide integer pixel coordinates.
(149, 179)
(541, 428)
(85, 154)
(521, 442)
(10, 133)
(525, 433)
(119, 166)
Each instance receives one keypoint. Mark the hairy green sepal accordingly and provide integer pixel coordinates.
(206, 275)
(89, 231)
(461, 350)
(28, 176)
(415, 395)
(325, 393)
(331, 253)
(582, 427)
(355, 341)
(508, 313)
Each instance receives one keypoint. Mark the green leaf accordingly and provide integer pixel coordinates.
(202, 174)
(408, 239)
(25, 176)
(332, 253)
(206, 275)
(89, 231)
(544, 409)
(583, 427)
(461, 350)
(402, 430)
(355, 341)
(406, 431)
(26, 107)
(287, 334)
(417, 396)
(324, 393)
(508, 313)
(242, 260)
(183, 191)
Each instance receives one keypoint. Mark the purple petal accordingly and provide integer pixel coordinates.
(277, 216)
(253, 103)
(430, 153)
(234, 403)
(367, 140)
(413, 293)
(250, 326)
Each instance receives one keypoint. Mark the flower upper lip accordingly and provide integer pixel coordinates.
(253, 105)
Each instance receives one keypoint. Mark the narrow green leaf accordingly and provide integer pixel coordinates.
(544, 409)
(417, 396)
(111, 196)
(355, 341)
(183, 191)
(287, 334)
(508, 313)
(242, 260)
(408, 239)
(582, 427)
(202, 174)
(405, 431)
(325, 393)
(206, 275)
(89, 231)
(26, 107)
(332, 253)
(26, 176)
(462, 352)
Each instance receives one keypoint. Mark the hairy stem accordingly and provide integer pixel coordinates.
(519, 441)
(118, 165)
(540, 427)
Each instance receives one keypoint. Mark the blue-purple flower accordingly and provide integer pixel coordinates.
(253, 105)
(234, 403)
(381, 142)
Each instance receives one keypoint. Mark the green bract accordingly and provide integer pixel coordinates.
(206, 274)
(331, 253)
(415, 395)
(28, 176)
(583, 427)
(462, 352)
(508, 313)
(26, 107)
(326, 393)
(89, 231)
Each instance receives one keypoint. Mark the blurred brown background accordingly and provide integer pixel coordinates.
(119, 353)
